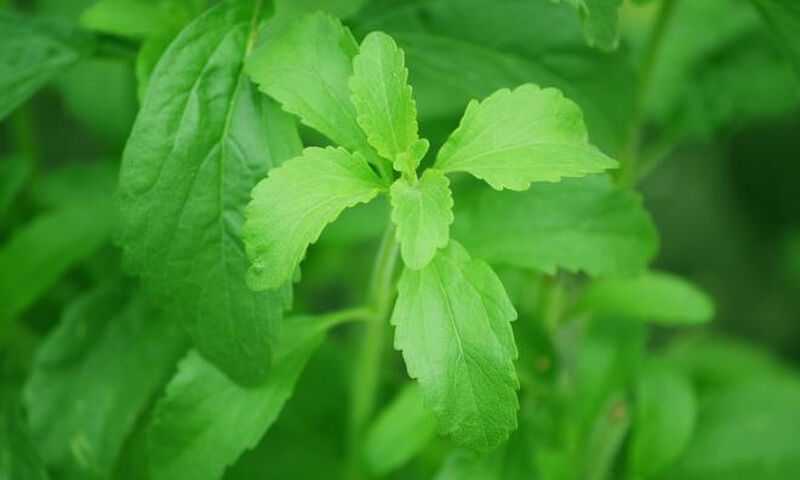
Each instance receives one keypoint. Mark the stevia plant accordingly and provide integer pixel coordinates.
(452, 315)
(308, 183)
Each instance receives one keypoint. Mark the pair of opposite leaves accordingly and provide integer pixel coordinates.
(452, 313)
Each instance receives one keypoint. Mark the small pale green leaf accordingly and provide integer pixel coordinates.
(384, 102)
(306, 68)
(652, 297)
(95, 375)
(423, 212)
(400, 432)
(665, 414)
(205, 421)
(202, 140)
(600, 21)
(452, 322)
(32, 52)
(19, 459)
(513, 138)
(584, 224)
(292, 206)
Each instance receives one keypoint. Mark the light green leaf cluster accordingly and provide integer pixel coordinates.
(203, 138)
(31, 54)
(459, 50)
(359, 97)
(80, 412)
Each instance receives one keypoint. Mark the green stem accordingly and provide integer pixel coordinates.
(628, 173)
(358, 314)
(366, 378)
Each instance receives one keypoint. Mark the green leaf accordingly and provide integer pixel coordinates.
(784, 17)
(384, 103)
(202, 140)
(205, 421)
(664, 418)
(453, 326)
(292, 206)
(600, 21)
(655, 297)
(715, 363)
(399, 432)
(94, 375)
(138, 18)
(697, 89)
(746, 432)
(19, 459)
(40, 252)
(31, 54)
(15, 170)
(513, 138)
(423, 212)
(585, 224)
(480, 47)
(306, 68)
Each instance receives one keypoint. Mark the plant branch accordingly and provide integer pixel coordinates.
(628, 173)
(366, 378)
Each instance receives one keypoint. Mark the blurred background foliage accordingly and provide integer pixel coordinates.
(719, 117)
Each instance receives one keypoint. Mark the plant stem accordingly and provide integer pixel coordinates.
(366, 378)
(628, 173)
(357, 314)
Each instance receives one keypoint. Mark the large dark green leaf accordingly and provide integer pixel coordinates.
(94, 376)
(202, 140)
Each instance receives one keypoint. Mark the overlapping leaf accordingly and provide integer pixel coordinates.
(584, 224)
(382, 97)
(93, 377)
(205, 421)
(202, 140)
(293, 205)
(31, 54)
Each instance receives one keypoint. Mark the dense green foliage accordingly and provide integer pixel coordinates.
(218, 216)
